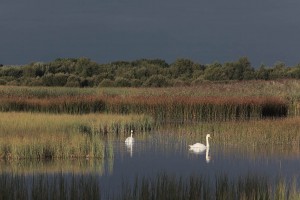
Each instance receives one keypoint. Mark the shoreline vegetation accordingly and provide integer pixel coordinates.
(52, 136)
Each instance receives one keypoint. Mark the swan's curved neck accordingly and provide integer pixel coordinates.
(207, 142)
(131, 135)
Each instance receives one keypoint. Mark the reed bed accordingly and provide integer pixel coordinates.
(261, 137)
(42, 136)
(163, 109)
(44, 92)
(208, 101)
(163, 186)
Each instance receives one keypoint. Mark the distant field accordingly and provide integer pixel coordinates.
(278, 88)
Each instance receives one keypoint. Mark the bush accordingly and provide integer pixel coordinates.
(157, 81)
(122, 82)
(2, 82)
(106, 83)
(73, 81)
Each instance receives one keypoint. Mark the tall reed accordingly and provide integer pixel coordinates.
(161, 108)
(262, 137)
(208, 101)
(37, 135)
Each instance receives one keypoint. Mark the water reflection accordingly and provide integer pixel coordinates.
(76, 166)
(198, 151)
(171, 152)
(129, 147)
(154, 153)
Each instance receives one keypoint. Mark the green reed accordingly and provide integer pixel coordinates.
(259, 137)
(162, 186)
(44, 136)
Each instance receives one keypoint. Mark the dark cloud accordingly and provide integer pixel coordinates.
(265, 31)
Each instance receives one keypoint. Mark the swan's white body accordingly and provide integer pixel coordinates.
(130, 139)
(199, 147)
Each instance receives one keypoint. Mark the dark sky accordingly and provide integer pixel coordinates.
(266, 31)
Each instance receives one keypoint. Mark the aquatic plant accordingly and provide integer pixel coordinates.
(162, 186)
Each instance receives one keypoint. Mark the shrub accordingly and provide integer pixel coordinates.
(106, 83)
(122, 82)
(157, 81)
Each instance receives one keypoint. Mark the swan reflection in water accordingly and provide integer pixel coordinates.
(129, 148)
(197, 151)
(199, 148)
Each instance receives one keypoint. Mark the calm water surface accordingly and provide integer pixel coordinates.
(160, 153)
(167, 154)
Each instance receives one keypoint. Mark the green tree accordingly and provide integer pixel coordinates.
(215, 72)
(278, 71)
(156, 81)
(122, 82)
(73, 81)
(182, 68)
(263, 73)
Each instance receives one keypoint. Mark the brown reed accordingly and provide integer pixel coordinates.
(162, 108)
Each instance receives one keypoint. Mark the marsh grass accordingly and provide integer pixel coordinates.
(183, 104)
(163, 186)
(261, 137)
(48, 136)
(180, 109)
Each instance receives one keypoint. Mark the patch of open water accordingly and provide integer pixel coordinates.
(159, 153)
(166, 154)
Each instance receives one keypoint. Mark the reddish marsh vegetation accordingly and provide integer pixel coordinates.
(162, 108)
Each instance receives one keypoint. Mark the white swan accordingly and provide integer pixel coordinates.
(199, 147)
(130, 139)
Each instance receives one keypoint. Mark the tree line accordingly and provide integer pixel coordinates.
(83, 72)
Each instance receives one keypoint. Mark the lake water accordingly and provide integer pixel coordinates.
(160, 153)
(167, 154)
